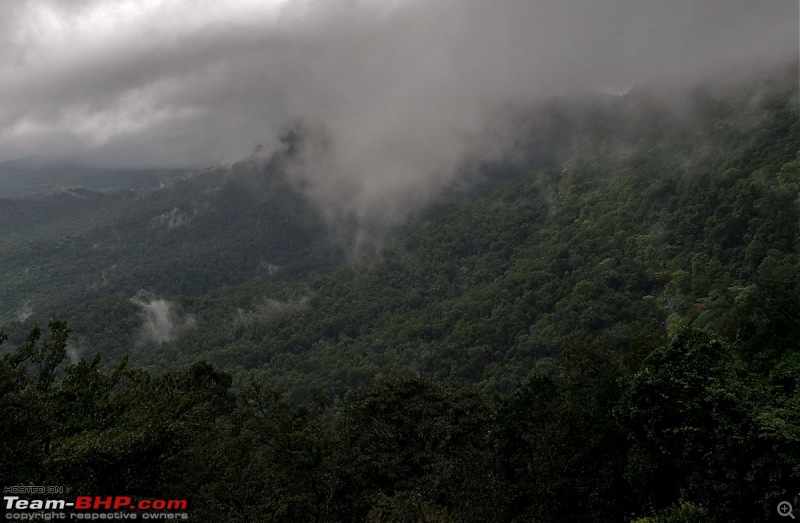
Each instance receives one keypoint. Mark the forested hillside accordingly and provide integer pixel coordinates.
(219, 227)
(612, 337)
(673, 210)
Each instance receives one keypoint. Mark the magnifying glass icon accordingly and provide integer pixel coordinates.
(785, 509)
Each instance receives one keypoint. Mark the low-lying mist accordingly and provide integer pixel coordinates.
(161, 321)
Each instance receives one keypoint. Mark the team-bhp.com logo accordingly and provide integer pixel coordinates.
(94, 507)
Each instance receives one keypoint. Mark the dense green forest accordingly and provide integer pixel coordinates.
(685, 433)
(608, 332)
(187, 238)
(223, 226)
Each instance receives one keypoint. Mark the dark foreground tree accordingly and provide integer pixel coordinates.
(704, 431)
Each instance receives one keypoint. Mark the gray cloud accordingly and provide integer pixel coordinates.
(396, 91)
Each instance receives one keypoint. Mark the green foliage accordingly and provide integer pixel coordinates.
(611, 338)
(416, 447)
(601, 438)
(657, 215)
(702, 429)
(211, 230)
(609, 244)
(562, 451)
(682, 512)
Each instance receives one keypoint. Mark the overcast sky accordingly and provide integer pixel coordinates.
(398, 86)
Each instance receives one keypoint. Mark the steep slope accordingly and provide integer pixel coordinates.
(222, 226)
(671, 211)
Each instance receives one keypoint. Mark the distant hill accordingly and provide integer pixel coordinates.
(41, 175)
(219, 227)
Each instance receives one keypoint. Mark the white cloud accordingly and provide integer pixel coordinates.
(160, 322)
